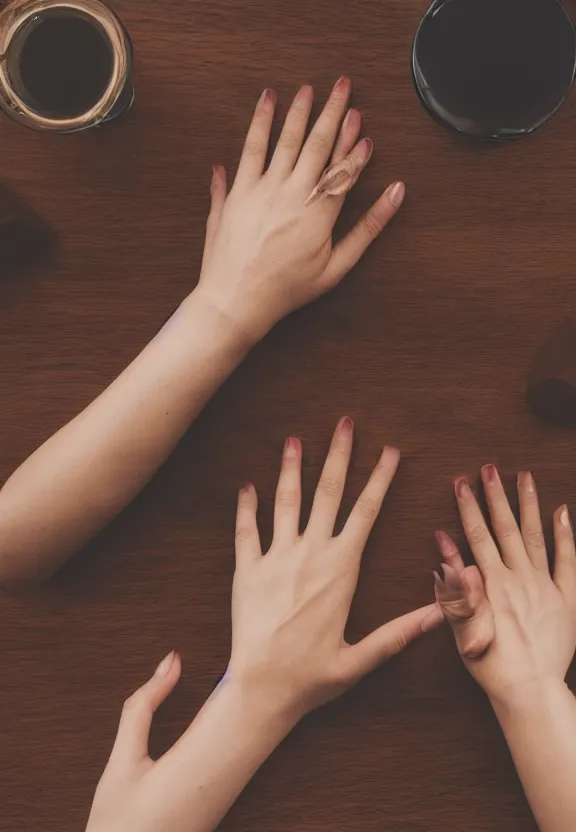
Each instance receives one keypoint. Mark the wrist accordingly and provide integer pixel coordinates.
(197, 310)
(528, 699)
(262, 704)
(230, 315)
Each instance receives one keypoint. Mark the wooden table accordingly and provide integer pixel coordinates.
(426, 345)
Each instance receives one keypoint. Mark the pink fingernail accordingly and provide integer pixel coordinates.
(368, 146)
(490, 474)
(165, 665)
(267, 97)
(462, 487)
(346, 425)
(292, 446)
(342, 82)
(526, 481)
(565, 518)
(396, 193)
(303, 95)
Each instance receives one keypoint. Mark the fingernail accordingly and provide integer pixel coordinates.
(368, 146)
(165, 665)
(526, 481)
(346, 425)
(341, 82)
(490, 473)
(396, 193)
(439, 583)
(389, 456)
(565, 518)
(302, 95)
(462, 487)
(291, 446)
(268, 96)
(246, 487)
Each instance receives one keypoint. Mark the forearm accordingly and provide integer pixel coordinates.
(204, 773)
(78, 480)
(540, 728)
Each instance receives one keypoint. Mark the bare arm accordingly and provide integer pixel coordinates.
(78, 480)
(266, 254)
(515, 625)
(539, 724)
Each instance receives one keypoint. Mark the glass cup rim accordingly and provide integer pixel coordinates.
(14, 16)
(435, 111)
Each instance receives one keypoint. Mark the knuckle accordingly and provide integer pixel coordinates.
(330, 486)
(371, 226)
(535, 539)
(287, 498)
(319, 143)
(253, 147)
(367, 506)
(400, 642)
(507, 531)
(477, 534)
(289, 140)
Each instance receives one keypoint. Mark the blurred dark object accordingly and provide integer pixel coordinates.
(552, 381)
(23, 235)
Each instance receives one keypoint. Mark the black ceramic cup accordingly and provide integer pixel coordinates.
(494, 69)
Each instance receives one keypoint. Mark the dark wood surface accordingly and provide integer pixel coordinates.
(427, 345)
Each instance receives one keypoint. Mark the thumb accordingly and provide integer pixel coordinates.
(387, 641)
(131, 745)
(463, 600)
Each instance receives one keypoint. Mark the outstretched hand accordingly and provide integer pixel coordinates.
(267, 251)
(290, 606)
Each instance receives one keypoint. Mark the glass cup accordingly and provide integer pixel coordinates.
(494, 69)
(65, 65)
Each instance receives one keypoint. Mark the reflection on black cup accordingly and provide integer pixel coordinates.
(65, 65)
(494, 69)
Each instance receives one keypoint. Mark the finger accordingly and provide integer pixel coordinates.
(450, 551)
(288, 494)
(531, 521)
(565, 554)
(503, 521)
(248, 548)
(348, 137)
(218, 193)
(293, 134)
(332, 481)
(320, 143)
(337, 180)
(364, 514)
(465, 605)
(253, 158)
(388, 640)
(351, 248)
(483, 547)
(131, 744)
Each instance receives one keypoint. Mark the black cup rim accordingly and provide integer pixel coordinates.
(432, 8)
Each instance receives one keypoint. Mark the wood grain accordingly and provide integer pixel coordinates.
(426, 345)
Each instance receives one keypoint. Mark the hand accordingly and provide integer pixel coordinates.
(514, 621)
(131, 793)
(290, 606)
(267, 253)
